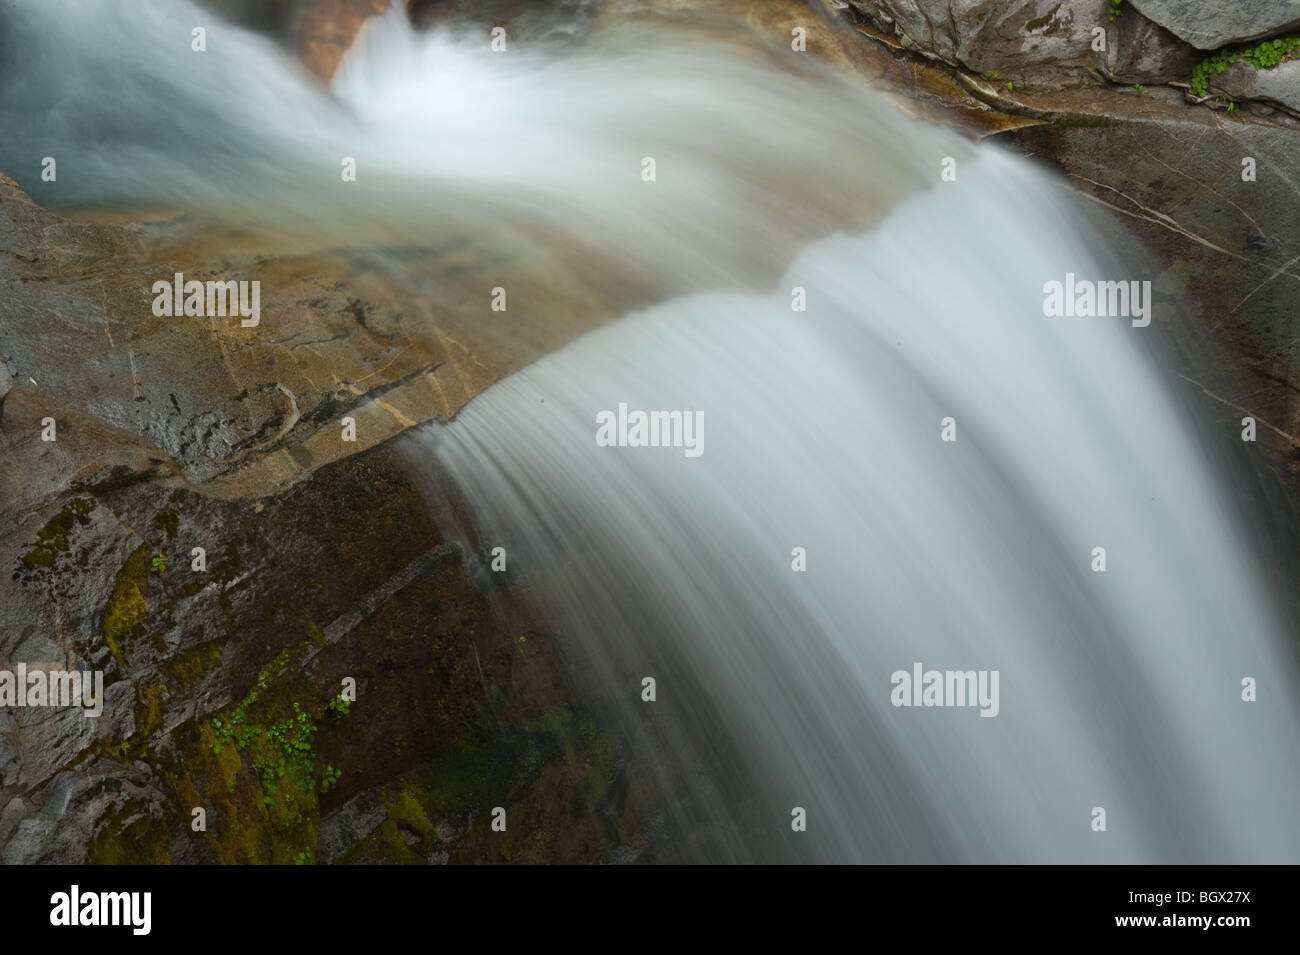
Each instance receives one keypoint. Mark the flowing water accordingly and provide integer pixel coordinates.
(1118, 690)
(822, 428)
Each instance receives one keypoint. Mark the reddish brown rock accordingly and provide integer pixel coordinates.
(326, 29)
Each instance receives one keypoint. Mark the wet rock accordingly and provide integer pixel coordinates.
(1223, 240)
(1210, 24)
(340, 336)
(320, 31)
(982, 35)
(1279, 85)
(347, 826)
(49, 738)
(6, 384)
(75, 808)
(1139, 51)
(326, 29)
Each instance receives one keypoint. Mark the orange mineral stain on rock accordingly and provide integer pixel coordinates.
(326, 29)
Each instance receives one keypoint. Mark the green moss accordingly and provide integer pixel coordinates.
(238, 826)
(142, 842)
(556, 728)
(1043, 22)
(406, 811)
(275, 739)
(598, 761)
(387, 843)
(189, 667)
(127, 608)
(52, 539)
(148, 710)
(148, 717)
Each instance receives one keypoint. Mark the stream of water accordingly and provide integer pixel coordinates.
(825, 538)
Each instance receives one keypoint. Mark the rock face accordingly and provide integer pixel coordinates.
(1139, 51)
(298, 557)
(342, 576)
(320, 550)
(6, 382)
(1210, 24)
(324, 30)
(260, 407)
(1054, 44)
(1209, 195)
(1278, 86)
(1223, 241)
(319, 31)
(983, 35)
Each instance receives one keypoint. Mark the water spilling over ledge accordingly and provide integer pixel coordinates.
(848, 510)
(1119, 689)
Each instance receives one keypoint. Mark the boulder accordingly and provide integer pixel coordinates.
(981, 35)
(1139, 51)
(1210, 24)
(1279, 86)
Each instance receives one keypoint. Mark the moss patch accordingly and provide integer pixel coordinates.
(52, 540)
(274, 737)
(127, 608)
(142, 842)
(190, 667)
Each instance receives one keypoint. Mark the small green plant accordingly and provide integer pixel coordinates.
(522, 642)
(1139, 87)
(1262, 57)
(1116, 8)
(991, 75)
(158, 564)
(338, 708)
(330, 778)
(1271, 52)
(1010, 86)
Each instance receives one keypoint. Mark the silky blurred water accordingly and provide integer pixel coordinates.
(1119, 690)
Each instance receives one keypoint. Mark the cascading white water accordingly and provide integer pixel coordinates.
(822, 428)
(1119, 690)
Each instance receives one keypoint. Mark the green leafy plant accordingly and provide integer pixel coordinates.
(338, 708)
(1139, 87)
(330, 778)
(158, 564)
(1262, 57)
(1116, 8)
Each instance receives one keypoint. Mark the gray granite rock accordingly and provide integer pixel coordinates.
(1210, 24)
(1279, 86)
(981, 35)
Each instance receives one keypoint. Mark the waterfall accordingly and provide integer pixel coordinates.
(1118, 690)
(829, 310)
